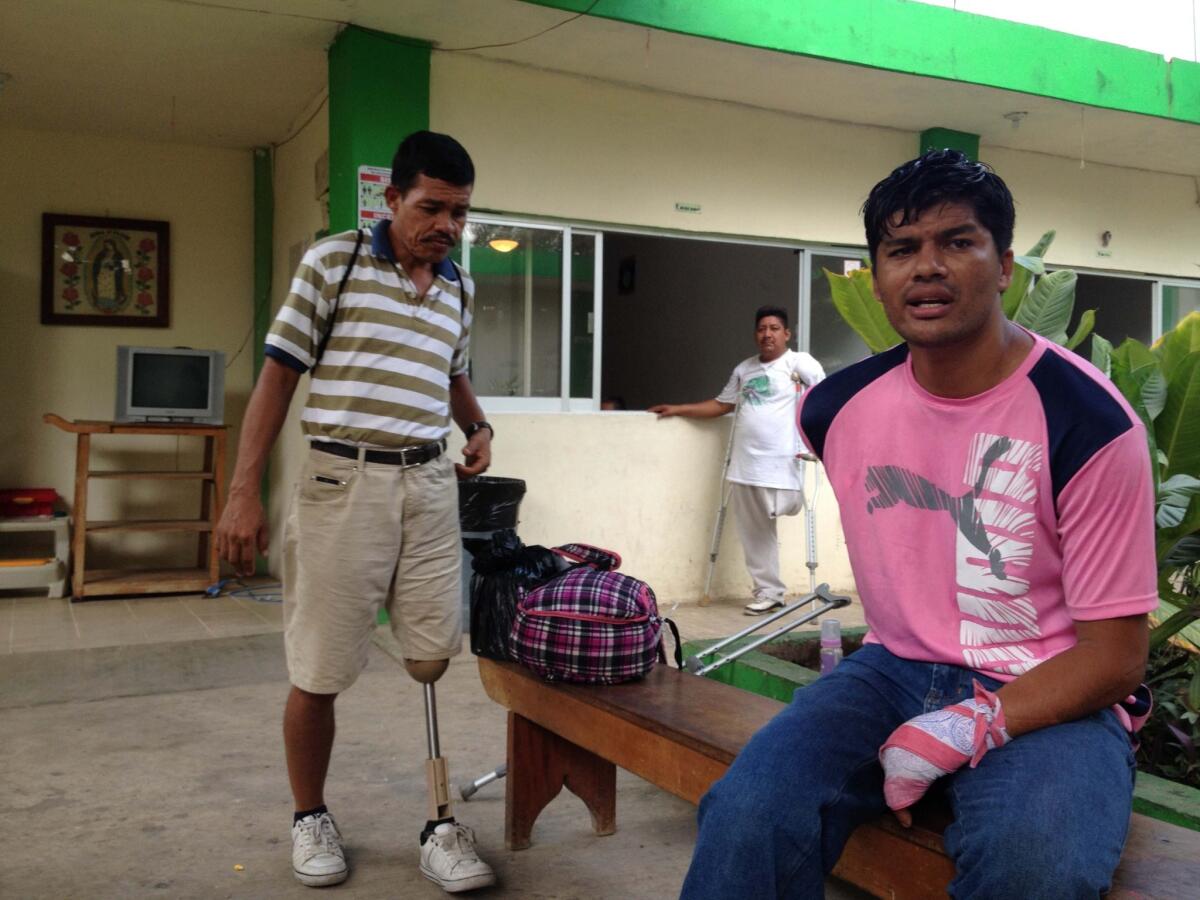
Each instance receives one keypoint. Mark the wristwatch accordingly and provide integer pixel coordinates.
(475, 426)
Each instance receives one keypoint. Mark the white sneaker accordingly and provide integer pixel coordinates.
(763, 605)
(448, 859)
(317, 855)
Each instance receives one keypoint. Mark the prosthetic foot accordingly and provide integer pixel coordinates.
(448, 856)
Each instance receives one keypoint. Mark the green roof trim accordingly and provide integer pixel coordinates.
(931, 41)
(943, 138)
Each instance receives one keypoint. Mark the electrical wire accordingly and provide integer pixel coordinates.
(567, 21)
(271, 592)
(290, 137)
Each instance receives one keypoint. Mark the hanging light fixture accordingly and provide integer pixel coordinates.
(503, 245)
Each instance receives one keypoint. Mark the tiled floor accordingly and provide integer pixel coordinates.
(29, 623)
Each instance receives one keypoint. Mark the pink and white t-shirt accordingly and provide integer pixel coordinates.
(981, 529)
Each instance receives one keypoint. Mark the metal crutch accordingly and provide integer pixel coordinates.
(810, 521)
(467, 789)
(831, 601)
(719, 525)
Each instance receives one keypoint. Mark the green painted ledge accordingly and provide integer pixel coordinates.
(768, 676)
(895, 35)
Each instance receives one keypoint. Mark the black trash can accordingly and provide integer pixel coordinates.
(486, 504)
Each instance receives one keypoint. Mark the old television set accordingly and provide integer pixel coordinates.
(170, 385)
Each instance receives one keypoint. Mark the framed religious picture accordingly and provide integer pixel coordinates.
(100, 271)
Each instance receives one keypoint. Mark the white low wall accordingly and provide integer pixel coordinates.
(647, 488)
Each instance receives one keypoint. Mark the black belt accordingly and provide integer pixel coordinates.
(408, 456)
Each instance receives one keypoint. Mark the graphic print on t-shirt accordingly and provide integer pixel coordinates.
(994, 516)
(756, 390)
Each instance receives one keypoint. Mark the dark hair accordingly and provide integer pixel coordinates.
(433, 155)
(777, 311)
(933, 178)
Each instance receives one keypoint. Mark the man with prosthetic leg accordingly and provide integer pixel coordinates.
(380, 319)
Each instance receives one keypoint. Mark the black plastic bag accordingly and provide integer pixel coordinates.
(488, 502)
(504, 570)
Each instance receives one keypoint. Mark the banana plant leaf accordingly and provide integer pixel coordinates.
(854, 297)
(1047, 310)
(1024, 268)
(1102, 351)
(1175, 346)
(1174, 496)
(1177, 428)
(1135, 370)
(1184, 552)
(1086, 323)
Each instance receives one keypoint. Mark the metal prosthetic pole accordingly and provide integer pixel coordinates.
(435, 767)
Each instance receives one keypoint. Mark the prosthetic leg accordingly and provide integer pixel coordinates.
(448, 855)
(436, 778)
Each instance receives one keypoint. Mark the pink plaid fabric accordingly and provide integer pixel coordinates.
(590, 626)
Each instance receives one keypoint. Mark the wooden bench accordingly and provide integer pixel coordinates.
(681, 732)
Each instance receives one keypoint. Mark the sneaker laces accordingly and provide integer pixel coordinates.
(318, 834)
(459, 843)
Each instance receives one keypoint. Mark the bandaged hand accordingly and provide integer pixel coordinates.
(937, 743)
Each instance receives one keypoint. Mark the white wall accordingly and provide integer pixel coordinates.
(298, 218)
(647, 488)
(206, 195)
(565, 146)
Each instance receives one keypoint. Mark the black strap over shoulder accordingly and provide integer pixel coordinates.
(358, 240)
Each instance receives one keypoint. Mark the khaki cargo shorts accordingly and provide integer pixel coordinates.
(360, 536)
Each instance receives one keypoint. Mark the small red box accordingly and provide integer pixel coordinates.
(23, 502)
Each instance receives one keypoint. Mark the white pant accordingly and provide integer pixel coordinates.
(756, 508)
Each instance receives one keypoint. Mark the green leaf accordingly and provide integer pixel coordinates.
(1024, 268)
(1175, 346)
(854, 297)
(1174, 496)
(1185, 552)
(1178, 620)
(1048, 309)
(1102, 350)
(1086, 323)
(1177, 428)
(1193, 695)
(1132, 366)
(1039, 249)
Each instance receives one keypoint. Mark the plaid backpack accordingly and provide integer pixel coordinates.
(590, 624)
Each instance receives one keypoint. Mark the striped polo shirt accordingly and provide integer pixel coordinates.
(384, 378)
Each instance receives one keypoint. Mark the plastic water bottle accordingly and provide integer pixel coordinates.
(831, 644)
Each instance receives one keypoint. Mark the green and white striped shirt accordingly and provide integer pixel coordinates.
(384, 378)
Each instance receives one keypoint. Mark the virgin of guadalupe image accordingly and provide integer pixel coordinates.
(108, 274)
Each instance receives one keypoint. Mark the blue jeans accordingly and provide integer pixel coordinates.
(1043, 816)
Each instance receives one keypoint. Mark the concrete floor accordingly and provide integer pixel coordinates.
(138, 763)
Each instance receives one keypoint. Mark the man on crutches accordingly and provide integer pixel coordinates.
(764, 478)
(381, 321)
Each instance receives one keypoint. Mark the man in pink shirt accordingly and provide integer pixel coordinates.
(995, 493)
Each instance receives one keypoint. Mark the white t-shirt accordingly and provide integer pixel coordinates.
(767, 440)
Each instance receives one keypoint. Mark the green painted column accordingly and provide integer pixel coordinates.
(378, 93)
(943, 138)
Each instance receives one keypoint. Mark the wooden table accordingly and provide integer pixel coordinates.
(87, 583)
